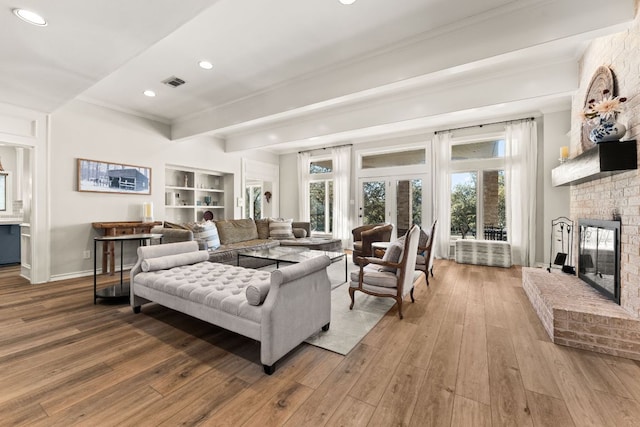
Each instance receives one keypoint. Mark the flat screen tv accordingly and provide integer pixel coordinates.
(599, 256)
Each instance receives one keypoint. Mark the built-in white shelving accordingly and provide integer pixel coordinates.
(189, 193)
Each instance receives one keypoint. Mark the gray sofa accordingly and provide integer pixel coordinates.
(280, 309)
(237, 235)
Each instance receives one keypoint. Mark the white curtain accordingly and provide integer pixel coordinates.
(442, 193)
(303, 186)
(341, 157)
(521, 165)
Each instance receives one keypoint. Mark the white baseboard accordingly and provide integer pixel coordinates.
(77, 274)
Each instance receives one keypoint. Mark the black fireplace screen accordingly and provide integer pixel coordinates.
(599, 256)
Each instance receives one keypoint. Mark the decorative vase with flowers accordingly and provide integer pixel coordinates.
(603, 114)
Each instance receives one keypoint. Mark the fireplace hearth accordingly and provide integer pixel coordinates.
(576, 315)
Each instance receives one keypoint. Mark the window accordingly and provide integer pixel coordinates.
(478, 150)
(253, 195)
(321, 205)
(398, 158)
(321, 166)
(321, 195)
(478, 191)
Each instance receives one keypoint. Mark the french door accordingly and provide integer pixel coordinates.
(396, 200)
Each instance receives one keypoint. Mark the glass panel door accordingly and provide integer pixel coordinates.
(493, 205)
(408, 204)
(398, 201)
(373, 196)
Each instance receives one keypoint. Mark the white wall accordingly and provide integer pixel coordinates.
(30, 129)
(289, 186)
(81, 130)
(555, 200)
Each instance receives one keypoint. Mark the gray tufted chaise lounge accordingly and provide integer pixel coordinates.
(293, 303)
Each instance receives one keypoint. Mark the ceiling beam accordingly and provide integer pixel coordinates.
(529, 24)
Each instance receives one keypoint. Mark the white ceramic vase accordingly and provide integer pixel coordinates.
(607, 130)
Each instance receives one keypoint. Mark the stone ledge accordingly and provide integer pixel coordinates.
(576, 315)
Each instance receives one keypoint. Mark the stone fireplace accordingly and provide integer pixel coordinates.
(616, 196)
(572, 312)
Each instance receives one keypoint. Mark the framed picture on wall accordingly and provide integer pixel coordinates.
(105, 177)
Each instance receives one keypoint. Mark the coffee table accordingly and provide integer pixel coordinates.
(292, 255)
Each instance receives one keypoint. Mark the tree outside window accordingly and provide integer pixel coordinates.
(374, 202)
(467, 205)
(464, 197)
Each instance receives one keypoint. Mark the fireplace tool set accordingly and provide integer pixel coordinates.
(561, 245)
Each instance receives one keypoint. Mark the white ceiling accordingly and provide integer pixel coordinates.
(290, 74)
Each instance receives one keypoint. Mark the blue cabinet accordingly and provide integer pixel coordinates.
(9, 244)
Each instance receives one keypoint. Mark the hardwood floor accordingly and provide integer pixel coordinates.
(469, 352)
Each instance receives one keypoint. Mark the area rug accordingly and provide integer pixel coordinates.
(348, 327)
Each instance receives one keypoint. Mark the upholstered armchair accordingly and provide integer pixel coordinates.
(424, 259)
(392, 276)
(365, 235)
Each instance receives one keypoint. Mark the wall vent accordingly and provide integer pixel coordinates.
(173, 81)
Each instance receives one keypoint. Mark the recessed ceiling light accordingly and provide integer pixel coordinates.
(30, 17)
(149, 93)
(347, 1)
(205, 64)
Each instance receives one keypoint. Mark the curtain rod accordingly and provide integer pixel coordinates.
(324, 148)
(485, 124)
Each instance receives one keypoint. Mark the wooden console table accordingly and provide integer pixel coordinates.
(118, 228)
(121, 290)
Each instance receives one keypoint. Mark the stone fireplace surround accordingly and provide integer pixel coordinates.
(572, 312)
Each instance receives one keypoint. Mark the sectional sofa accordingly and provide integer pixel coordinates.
(224, 239)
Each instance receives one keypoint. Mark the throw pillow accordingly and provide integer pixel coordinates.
(280, 228)
(299, 233)
(256, 294)
(168, 224)
(236, 230)
(393, 254)
(206, 234)
(176, 260)
(263, 228)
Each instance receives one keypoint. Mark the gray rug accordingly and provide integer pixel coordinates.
(348, 327)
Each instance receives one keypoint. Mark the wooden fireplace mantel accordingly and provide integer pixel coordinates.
(605, 159)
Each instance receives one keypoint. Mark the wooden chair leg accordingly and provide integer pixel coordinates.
(411, 293)
(399, 301)
(351, 292)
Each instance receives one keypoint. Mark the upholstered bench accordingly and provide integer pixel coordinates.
(495, 253)
(280, 309)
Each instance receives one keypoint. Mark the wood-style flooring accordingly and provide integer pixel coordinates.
(469, 352)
